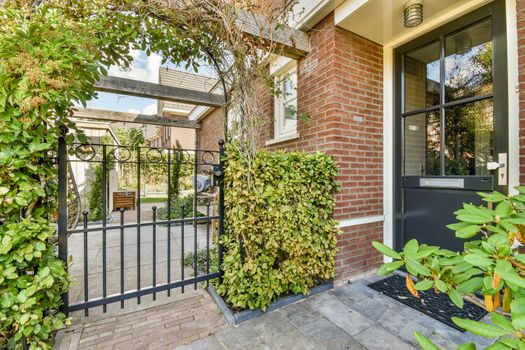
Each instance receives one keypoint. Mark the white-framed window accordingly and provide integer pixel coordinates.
(285, 103)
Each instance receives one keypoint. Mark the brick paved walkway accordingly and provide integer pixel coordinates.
(161, 327)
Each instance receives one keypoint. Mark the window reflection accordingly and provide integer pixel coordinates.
(422, 144)
(469, 138)
(468, 62)
(422, 77)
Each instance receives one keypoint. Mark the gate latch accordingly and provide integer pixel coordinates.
(217, 173)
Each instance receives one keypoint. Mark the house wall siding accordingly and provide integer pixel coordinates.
(520, 9)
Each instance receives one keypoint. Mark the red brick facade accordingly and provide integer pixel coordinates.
(520, 7)
(212, 130)
(339, 88)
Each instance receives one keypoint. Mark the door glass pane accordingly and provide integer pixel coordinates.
(422, 77)
(468, 62)
(422, 144)
(469, 138)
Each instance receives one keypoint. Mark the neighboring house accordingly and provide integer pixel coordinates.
(170, 135)
(153, 136)
(415, 116)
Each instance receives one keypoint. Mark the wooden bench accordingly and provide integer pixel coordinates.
(124, 199)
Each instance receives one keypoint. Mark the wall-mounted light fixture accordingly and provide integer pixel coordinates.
(413, 13)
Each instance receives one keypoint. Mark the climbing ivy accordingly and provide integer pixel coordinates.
(280, 236)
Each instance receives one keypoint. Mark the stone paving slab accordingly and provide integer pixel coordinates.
(349, 317)
(160, 327)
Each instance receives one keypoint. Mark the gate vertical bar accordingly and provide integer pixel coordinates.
(104, 217)
(154, 247)
(138, 222)
(122, 210)
(195, 171)
(62, 209)
(182, 246)
(86, 271)
(168, 261)
(221, 210)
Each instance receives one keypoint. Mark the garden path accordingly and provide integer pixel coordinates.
(352, 316)
(348, 317)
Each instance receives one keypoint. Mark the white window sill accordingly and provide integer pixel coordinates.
(283, 138)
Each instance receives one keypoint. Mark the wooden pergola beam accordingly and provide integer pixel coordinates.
(289, 42)
(99, 114)
(286, 41)
(139, 88)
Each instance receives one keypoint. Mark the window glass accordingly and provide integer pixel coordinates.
(286, 104)
(422, 77)
(468, 62)
(469, 138)
(422, 144)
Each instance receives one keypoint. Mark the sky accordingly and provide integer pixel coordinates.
(143, 68)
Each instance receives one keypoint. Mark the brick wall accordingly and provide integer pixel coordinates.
(212, 130)
(520, 7)
(355, 257)
(340, 88)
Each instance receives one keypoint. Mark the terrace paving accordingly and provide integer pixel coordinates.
(352, 316)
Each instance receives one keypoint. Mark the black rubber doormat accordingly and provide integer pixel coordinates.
(437, 306)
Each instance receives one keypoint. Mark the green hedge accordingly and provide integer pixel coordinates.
(279, 210)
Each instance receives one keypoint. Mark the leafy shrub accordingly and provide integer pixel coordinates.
(179, 206)
(95, 193)
(202, 261)
(280, 236)
(491, 263)
(32, 281)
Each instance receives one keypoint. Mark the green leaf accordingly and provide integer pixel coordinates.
(466, 346)
(519, 322)
(456, 298)
(517, 307)
(3, 190)
(501, 321)
(424, 342)
(386, 250)
(498, 346)
(474, 219)
(503, 209)
(471, 285)
(479, 328)
(468, 231)
(424, 285)
(478, 260)
(411, 247)
(511, 277)
(416, 267)
(441, 286)
(386, 269)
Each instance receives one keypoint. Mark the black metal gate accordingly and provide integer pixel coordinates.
(122, 246)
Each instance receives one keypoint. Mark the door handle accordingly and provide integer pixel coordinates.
(494, 165)
(501, 166)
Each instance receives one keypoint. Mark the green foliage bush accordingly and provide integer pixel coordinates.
(279, 214)
(491, 263)
(43, 70)
(178, 204)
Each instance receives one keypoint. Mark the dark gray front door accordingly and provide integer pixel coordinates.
(451, 124)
